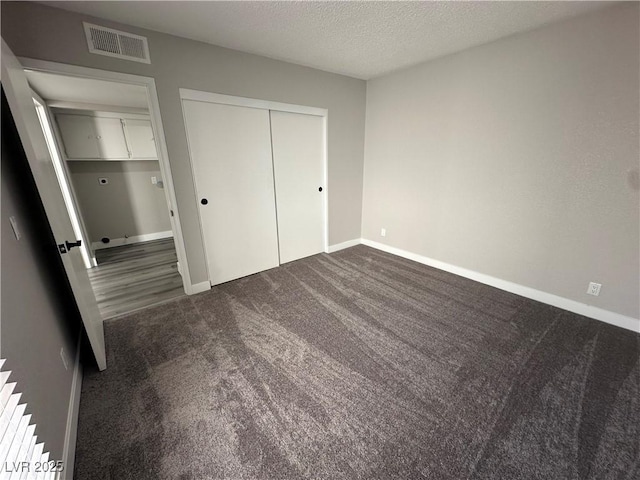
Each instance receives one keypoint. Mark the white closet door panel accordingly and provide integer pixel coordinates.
(140, 139)
(230, 150)
(298, 160)
(78, 135)
(110, 135)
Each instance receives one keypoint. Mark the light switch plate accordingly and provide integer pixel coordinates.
(14, 226)
(65, 360)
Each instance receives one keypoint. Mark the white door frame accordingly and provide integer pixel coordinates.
(158, 131)
(65, 180)
(208, 97)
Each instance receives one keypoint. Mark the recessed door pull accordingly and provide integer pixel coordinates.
(320, 189)
(204, 201)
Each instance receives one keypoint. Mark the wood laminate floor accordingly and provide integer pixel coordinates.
(131, 277)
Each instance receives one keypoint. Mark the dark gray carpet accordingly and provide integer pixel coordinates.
(363, 365)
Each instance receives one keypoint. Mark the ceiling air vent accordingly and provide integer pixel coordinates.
(114, 43)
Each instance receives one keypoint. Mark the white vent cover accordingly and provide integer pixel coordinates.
(114, 43)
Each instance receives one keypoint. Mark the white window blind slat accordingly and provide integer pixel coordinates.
(43, 471)
(7, 413)
(5, 394)
(21, 457)
(18, 440)
(4, 376)
(32, 447)
(12, 429)
(28, 442)
(35, 458)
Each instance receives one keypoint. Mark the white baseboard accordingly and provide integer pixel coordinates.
(590, 311)
(343, 245)
(198, 288)
(147, 237)
(69, 449)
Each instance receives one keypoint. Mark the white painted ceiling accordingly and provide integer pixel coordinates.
(361, 39)
(82, 90)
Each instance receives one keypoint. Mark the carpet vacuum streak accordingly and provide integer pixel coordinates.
(360, 364)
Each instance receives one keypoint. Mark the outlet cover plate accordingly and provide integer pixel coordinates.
(594, 289)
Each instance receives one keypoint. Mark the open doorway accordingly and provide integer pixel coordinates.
(101, 139)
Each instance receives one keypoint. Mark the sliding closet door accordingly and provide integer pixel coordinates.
(298, 161)
(231, 154)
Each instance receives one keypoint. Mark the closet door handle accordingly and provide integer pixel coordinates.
(204, 201)
(320, 189)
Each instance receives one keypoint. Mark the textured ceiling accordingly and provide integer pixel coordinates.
(73, 89)
(357, 38)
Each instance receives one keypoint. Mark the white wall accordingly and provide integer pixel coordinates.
(517, 159)
(128, 205)
(45, 33)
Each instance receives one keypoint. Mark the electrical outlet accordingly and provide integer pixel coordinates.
(154, 180)
(65, 360)
(103, 180)
(594, 289)
(383, 232)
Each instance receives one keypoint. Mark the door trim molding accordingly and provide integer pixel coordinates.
(201, 287)
(158, 131)
(210, 97)
(71, 433)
